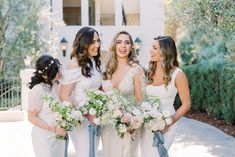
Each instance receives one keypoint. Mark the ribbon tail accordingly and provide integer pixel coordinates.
(92, 140)
(158, 142)
(66, 145)
(97, 130)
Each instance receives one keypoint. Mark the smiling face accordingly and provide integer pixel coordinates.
(155, 52)
(123, 46)
(93, 48)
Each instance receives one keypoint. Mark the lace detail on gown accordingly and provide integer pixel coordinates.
(127, 83)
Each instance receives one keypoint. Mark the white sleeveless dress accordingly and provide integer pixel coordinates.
(113, 145)
(167, 97)
(80, 135)
(44, 142)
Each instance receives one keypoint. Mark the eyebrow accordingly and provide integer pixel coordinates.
(122, 40)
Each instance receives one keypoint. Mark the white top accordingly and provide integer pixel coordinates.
(165, 93)
(35, 101)
(82, 83)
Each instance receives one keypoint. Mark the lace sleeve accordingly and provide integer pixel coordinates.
(35, 101)
(140, 72)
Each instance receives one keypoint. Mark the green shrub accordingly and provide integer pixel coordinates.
(212, 89)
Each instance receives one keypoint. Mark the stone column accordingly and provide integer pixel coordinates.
(118, 12)
(85, 12)
(25, 76)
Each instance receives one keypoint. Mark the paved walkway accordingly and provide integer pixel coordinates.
(194, 139)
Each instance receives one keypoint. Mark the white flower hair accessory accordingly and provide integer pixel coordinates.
(41, 71)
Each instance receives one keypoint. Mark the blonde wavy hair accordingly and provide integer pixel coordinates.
(111, 60)
(168, 62)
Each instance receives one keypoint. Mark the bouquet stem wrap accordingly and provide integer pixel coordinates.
(93, 130)
(158, 142)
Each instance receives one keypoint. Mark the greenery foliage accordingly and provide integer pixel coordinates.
(205, 35)
(212, 89)
(205, 29)
(22, 24)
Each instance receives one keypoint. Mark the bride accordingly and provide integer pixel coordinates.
(165, 79)
(83, 73)
(124, 74)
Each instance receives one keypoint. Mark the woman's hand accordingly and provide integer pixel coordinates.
(60, 131)
(165, 129)
(90, 118)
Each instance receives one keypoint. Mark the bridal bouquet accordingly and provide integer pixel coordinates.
(68, 117)
(95, 105)
(156, 121)
(122, 114)
(153, 118)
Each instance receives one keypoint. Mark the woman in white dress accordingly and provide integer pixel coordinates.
(165, 79)
(124, 74)
(82, 73)
(44, 131)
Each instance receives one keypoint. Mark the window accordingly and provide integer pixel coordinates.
(101, 12)
(72, 12)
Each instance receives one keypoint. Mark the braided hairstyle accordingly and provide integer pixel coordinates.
(46, 69)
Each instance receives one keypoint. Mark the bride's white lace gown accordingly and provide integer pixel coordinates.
(44, 142)
(167, 97)
(113, 145)
(80, 135)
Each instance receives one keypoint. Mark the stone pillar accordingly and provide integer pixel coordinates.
(118, 12)
(25, 76)
(85, 12)
(97, 12)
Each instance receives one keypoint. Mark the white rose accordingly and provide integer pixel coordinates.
(122, 128)
(161, 124)
(96, 121)
(66, 103)
(168, 121)
(152, 126)
(146, 105)
(136, 112)
(136, 122)
(117, 113)
(92, 111)
(166, 113)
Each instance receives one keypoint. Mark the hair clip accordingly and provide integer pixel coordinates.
(41, 71)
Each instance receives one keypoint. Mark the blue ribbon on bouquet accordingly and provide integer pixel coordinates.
(158, 142)
(93, 130)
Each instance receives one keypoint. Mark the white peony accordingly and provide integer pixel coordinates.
(92, 111)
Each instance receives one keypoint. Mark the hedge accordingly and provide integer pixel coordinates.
(212, 89)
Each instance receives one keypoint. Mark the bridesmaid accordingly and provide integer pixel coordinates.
(123, 73)
(44, 131)
(165, 79)
(82, 73)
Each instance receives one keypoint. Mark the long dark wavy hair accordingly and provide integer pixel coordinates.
(169, 59)
(82, 41)
(112, 57)
(46, 69)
